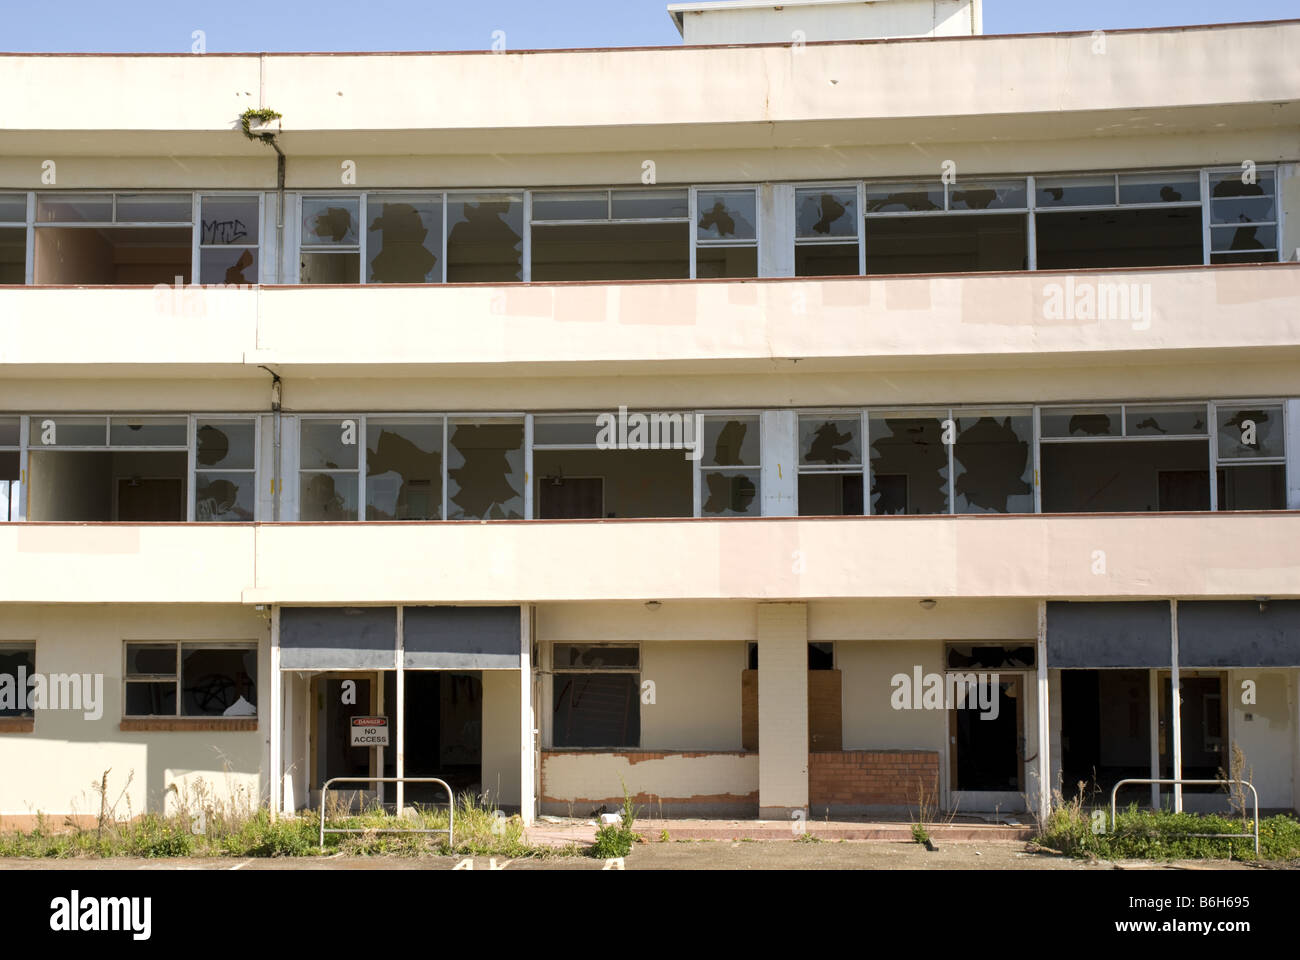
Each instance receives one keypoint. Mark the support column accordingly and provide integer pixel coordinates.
(1176, 705)
(1153, 697)
(274, 722)
(1044, 721)
(527, 723)
(782, 709)
(779, 432)
(399, 763)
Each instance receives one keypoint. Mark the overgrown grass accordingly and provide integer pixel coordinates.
(616, 839)
(1138, 834)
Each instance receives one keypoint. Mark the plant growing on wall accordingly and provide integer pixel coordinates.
(258, 115)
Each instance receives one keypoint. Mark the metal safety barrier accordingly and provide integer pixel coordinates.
(1197, 783)
(324, 791)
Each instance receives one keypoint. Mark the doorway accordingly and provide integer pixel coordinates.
(988, 745)
(1105, 729)
(338, 698)
(442, 732)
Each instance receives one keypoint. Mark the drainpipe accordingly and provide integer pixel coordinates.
(276, 482)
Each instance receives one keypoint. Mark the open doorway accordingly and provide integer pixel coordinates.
(1105, 729)
(442, 732)
(339, 698)
(988, 743)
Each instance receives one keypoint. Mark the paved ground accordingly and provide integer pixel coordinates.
(559, 831)
(680, 855)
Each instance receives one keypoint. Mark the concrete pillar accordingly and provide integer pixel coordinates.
(779, 430)
(782, 709)
(1044, 722)
(503, 759)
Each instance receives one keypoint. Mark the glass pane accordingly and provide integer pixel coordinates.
(596, 710)
(650, 204)
(403, 469)
(826, 260)
(150, 699)
(485, 240)
(1252, 487)
(1082, 422)
(1150, 237)
(12, 657)
(151, 659)
(1243, 239)
(229, 221)
(730, 493)
(994, 462)
(990, 195)
(485, 475)
(833, 443)
(592, 205)
(611, 251)
(329, 444)
(947, 244)
(13, 255)
(731, 442)
(170, 432)
(9, 431)
(1236, 201)
(219, 683)
(1159, 187)
(69, 431)
(326, 497)
(404, 240)
(330, 268)
(13, 207)
(1074, 191)
(830, 495)
(1161, 421)
(909, 465)
(224, 497)
(1251, 432)
(730, 262)
(726, 214)
(155, 208)
(904, 197)
(579, 429)
(589, 656)
(1257, 256)
(74, 208)
(225, 444)
(330, 220)
(828, 212)
(234, 266)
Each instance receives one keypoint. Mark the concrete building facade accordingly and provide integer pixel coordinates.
(771, 429)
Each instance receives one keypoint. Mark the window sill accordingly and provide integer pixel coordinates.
(17, 724)
(244, 724)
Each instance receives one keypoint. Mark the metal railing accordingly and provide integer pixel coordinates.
(1197, 783)
(324, 791)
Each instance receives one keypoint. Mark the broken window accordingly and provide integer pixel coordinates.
(229, 239)
(485, 470)
(13, 238)
(10, 486)
(113, 238)
(103, 469)
(726, 233)
(961, 235)
(404, 239)
(979, 656)
(830, 466)
(17, 661)
(225, 481)
(1243, 217)
(611, 235)
(328, 468)
(827, 229)
(404, 469)
(729, 467)
(596, 699)
(485, 239)
(1126, 459)
(1124, 220)
(909, 464)
(1251, 457)
(993, 461)
(190, 680)
(330, 250)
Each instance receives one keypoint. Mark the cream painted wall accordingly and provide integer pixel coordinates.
(51, 769)
(690, 621)
(995, 620)
(501, 736)
(726, 780)
(1267, 738)
(870, 721)
(697, 695)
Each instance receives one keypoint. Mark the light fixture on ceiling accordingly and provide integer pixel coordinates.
(1263, 603)
(653, 604)
(929, 604)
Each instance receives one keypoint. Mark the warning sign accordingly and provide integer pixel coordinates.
(369, 731)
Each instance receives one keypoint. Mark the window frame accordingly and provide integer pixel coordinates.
(19, 722)
(178, 677)
(700, 469)
(756, 244)
(556, 672)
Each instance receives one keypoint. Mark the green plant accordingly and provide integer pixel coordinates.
(663, 835)
(616, 839)
(919, 833)
(262, 115)
(807, 838)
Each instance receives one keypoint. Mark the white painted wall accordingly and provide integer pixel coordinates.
(501, 741)
(1267, 737)
(745, 21)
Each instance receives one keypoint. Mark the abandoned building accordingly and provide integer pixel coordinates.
(693, 419)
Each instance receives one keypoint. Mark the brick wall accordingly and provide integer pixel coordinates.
(676, 782)
(871, 778)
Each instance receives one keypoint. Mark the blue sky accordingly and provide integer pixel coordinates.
(133, 26)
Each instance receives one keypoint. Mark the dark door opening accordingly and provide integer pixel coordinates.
(336, 705)
(990, 747)
(1204, 723)
(442, 732)
(1105, 730)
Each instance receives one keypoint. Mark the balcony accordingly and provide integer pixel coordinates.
(834, 324)
(1103, 556)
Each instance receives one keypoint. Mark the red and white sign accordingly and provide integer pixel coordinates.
(369, 731)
